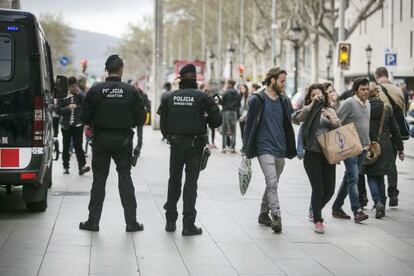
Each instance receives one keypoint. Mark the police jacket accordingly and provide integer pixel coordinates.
(70, 117)
(231, 100)
(254, 116)
(188, 112)
(113, 104)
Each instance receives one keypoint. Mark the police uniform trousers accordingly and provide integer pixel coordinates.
(116, 144)
(185, 151)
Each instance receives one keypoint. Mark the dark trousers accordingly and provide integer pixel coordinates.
(392, 178)
(242, 125)
(116, 145)
(362, 189)
(322, 179)
(55, 122)
(184, 152)
(139, 134)
(74, 134)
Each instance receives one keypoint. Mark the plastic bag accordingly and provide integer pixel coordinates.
(245, 174)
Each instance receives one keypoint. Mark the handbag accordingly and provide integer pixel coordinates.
(245, 174)
(340, 144)
(374, 151)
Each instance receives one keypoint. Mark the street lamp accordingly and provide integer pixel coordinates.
(231, 51)
(328, 62)
(368, 51)
(295, 37)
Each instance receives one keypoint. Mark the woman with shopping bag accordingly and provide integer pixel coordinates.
(318, 118)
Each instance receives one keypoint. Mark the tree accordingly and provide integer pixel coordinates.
(60, 38)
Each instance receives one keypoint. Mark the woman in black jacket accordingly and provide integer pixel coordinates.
(382, 127)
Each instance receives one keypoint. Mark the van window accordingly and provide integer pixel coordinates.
(6, 54)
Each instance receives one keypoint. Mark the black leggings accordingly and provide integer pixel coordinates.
(322, 179)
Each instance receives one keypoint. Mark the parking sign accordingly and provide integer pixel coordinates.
(390, 59)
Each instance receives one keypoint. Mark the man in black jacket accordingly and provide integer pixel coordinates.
(269, 135)
(69, 109)
(185, 114)
(112, 108)
(231, 102)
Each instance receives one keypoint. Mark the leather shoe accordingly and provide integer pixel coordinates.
(89, 226)
(192, 230)
(134, 227)
(170, 226)
(84, 170)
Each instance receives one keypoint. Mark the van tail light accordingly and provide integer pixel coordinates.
(28, 176)
(38, 122)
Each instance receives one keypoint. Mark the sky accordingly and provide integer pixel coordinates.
(109, 17)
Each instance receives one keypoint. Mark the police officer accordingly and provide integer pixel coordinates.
(112, 108)
(185, 114)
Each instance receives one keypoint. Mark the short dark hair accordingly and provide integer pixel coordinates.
(381, 72)
(167, 86)
(256, 86)
(232, 83)
(316, 86)
(358, 82)
(72, 80)
(114, 64)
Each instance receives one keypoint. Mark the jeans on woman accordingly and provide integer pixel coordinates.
(377, 187)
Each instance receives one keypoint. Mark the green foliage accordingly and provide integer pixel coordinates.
(60, 38)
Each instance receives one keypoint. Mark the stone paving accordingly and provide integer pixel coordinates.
(233, 243)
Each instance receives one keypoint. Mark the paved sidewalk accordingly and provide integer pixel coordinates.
(232, 243)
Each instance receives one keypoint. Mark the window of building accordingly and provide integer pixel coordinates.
(382, 16)
(412, 8)
(401, 9)
(411, 44)
(365, 26)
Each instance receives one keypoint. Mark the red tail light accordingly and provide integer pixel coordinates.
(38, 122)
(27, 176)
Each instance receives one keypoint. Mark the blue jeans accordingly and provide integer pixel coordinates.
(350, 183)
(377, 187)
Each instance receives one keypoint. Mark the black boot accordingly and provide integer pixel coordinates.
(191, 230)
(379, 210)
(276, 224)
(264, 219)
(89, 225)
(170, 226)
(83, 170)
(134, 227)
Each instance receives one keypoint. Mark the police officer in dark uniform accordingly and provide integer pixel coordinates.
(112, 108)
(185, 114)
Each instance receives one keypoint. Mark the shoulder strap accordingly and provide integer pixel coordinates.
(393, 104)
(381, 127)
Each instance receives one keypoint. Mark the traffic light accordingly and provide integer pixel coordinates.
(344, 55)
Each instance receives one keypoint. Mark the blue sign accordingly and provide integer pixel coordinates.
(64, 61)
(390, 59)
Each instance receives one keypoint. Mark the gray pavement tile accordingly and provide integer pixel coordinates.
(303, 267)
(212, 270)
(335, 259)
(398, 249)
(279, 249)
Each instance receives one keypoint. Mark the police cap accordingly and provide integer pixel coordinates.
(189, 68)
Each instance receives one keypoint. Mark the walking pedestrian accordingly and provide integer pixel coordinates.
(185, 114)
(269, 136)
(355, 109)
(231, 112)
(140, 128)
(112, 108)
(397, 96)
(319, 117)
(383, 128)
(70, 109)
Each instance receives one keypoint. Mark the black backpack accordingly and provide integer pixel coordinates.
(399, 116)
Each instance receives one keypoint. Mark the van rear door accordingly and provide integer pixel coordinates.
(16, 95)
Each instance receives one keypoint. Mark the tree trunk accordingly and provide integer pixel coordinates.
(315, 59)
